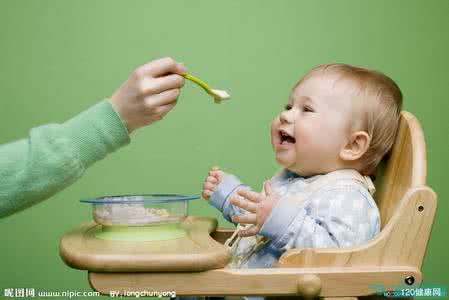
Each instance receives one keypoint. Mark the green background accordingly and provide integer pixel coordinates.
(57, 58)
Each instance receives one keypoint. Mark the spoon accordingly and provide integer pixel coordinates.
(219, 95)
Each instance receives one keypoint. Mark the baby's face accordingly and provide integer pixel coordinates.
(309, 134)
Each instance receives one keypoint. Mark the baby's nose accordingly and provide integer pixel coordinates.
(285, 117)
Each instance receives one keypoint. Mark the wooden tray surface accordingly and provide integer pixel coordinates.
(197, 251)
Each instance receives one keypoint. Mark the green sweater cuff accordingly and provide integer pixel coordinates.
(96, 132)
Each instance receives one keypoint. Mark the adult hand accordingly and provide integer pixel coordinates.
(258, 205)
(149, 93)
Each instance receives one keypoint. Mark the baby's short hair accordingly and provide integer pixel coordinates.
(381, 107)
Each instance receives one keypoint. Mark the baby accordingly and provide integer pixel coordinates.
(339, 122)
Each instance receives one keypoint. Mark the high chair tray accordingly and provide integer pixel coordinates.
(196, 251)
(393, 258)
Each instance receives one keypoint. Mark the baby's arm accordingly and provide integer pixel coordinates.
(331, 218)
(218, 188)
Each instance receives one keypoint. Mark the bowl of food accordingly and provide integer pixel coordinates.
(139, 210)
(144, 217)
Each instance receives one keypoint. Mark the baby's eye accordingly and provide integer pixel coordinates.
(307, 109)
(288, 107)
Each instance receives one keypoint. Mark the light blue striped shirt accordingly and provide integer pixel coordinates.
(323, 211)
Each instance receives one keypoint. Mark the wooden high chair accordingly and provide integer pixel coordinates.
(394, 257)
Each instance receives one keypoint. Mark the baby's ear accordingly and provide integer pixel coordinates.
(357, 145)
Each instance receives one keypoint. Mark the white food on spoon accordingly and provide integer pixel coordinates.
(222, 94)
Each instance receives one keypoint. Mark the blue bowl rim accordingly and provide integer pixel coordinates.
(173, 198)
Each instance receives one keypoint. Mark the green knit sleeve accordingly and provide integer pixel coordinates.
(55, 155)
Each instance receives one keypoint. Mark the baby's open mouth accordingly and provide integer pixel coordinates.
(286, 138)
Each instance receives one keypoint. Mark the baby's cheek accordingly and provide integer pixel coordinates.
(311, 133)
(304, 135)
(275, 124)
(274, 129)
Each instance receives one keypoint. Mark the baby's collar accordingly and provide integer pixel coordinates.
(291, 174)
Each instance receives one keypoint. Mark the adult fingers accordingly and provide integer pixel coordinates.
(250, 195)
(164, 98)
(164, 109)
(242, 203)
(161, 67)
(151, 86)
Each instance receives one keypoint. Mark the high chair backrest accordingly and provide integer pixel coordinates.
(407, 208)
(404, 168)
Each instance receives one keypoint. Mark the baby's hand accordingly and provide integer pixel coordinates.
(149, 93)
(258, 205)
(214, 177)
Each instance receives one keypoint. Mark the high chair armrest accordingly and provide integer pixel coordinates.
(307, 282)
